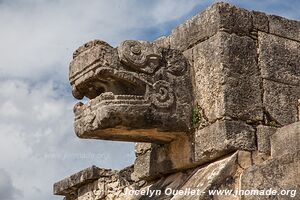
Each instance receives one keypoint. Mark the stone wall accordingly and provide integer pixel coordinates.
(245, 131)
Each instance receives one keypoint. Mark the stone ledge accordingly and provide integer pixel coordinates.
(280, 101)
(284, 27)
(221, 138)
(153, 160)
(263, 135)
(277, 173)
(224, 66)
(71, 184)
(279, 59)
(219, 16)
(225, 17)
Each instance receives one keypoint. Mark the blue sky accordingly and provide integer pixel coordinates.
(37, 37)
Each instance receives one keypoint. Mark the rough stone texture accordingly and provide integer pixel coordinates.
(95, 183)
(201, 178)
(208, 178)
(263, 135)
(144, 168)
(260, 21)
(284, 27)
(163, 42)
(278, 173)
(138, 92)
(221, 138)
(244, 159)
(155, 160)
(72, 183)
(173, 181)
(258, 158)
(284, 68)
(225, 66)
(142, 148)
(280, 102)
(286, 140)
(107, 187)
(220, 16)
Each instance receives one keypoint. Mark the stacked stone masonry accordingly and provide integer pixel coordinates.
(214, 105)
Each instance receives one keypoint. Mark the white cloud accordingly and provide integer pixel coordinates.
(38, 37)
(7, 189)
(168, 10)
(37, 141)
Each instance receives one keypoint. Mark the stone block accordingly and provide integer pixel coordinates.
(141, 148)
(170, 182)
(220, 16)
(209, 178)
(163, 42)
(64, 187)
(284, 27)
(263, 135)
(198, 181)
(91, 191)
(94, 183)
(260, 21)
(244, 159)
(221, 138)
(225, 66)
(280, 101)
(286, 140)
(156, 160)
(143, 168)
(258, 158)
(279, 59)
(281, 173)
(73, 182)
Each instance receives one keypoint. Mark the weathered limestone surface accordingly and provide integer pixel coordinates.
(284, 27)
(225, 66)
(245, 159)
(260, 21)
(221, 138)
(201, 178)
(72, 183)
(217, 103)
(279, 59)
(142, 148)
(263, 135)
(208, 178)
(155, 160)
(286, 140)
(225, 17)
(279, 173)
(95, 183)
(219, 16)
(280, 101)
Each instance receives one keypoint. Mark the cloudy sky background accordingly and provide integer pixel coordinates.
(37, 38)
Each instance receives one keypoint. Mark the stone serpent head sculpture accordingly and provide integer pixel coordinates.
(137, 92)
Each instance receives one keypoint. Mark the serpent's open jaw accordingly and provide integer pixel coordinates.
(97, 73)
(111, 85)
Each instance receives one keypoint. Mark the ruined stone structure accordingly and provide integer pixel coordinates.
(214, 105)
